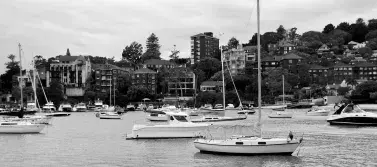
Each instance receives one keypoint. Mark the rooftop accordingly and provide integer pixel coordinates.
(106, 66)
(212, 83)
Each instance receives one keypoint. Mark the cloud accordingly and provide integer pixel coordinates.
(104, 28)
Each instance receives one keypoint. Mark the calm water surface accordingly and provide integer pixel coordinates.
(84, 140)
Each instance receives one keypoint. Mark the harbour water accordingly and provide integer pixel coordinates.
(84, 140)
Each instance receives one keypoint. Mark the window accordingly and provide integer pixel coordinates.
(153, 77)
(310, 70)
(137, 75)
(290, 61)
(97, 72)
(143, 81)
(272, 63)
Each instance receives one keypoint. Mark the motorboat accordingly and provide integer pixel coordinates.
(206, 107)
(107, 108)
(248, 145)
(351, 114)
(274, 106)
(81, 107)
(178, 126)
(35, 119)
(215, 118)
(130, 107)
(109, 115)
(281, 114)
(246, 111)
(231, 107)
(218, 107)
(157, 116)
(317, 111)
(91, 107)
(20, 127)
(32, 107)
(98, 105)
(65, 107)
(50, 111)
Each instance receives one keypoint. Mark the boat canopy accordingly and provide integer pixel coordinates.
(349, 108)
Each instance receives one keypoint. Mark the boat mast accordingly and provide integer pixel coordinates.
(20, 82)
(259, 74)
(222, 69)
(110, 91)
(114, 92)
(34, 85)
(283, 91)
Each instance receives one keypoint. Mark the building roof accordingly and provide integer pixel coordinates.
(158, 62)
(106, 66)
(203, 34)
(364, 64)
(67, 58)
(144, 71)
(290, 56)
(212, 83)
(324, 47)
(318, 67)
(285, 43)
(339, 64)
(250, 47)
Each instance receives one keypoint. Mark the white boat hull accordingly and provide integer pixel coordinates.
(109, 116)
(274, 106)
(281, 115)
(282, 146)
(318, 113)
(21, 129)
(189, 130)
(246, 112)
(33, 119)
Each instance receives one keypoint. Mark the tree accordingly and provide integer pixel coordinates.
(313, 39)
(359, 30)
(174, 55)
(344, 26)
(68, 53)
(372, 24)
(328, 28)
(233, 43)
(13, 68)
(254, 39)
(137, 93)
(372, 44)
(55, 92)
(365, 52)
(281, 31)
(270, 38)
(364, 89)
(153, 48)
(133, 53)
(209, 66)
(371, 35)
(292, 35)
(339, 37)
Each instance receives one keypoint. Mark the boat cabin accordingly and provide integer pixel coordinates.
(349, 108)
(177, 117)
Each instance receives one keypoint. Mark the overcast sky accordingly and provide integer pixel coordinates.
(105, 27)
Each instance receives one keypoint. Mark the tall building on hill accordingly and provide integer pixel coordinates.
(235, 60)
(146, 78)
(107, 75)
(203, 45)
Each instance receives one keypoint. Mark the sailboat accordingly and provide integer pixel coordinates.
(20, 126)
(241, 144)
(284, 113)
(108, 111)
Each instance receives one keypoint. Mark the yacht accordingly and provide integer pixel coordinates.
(178, 127)
(206, 107)
(231, 107)
(98, 105)
(20, 127)
(218, 107)
(50, 111)
(65, 107)
(35, 119)
(32, 107)
(281, 114)
(81, 107)
(246, 111)
(351, 114)
(130, 107)
(109, 115)
(215, 118)
(317, 111)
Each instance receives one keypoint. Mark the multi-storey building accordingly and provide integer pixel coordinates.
(235, 59)
(342, 72)
(72, 72)
(318, 72)
(146, 78)
(282, 47)
(183, 84)
(290, 61)
(107, 75)
(203, 45)
(251, 52)
(156, 64)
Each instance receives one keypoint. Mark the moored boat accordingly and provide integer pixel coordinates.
(178, 127)
(109, 115)
(215, 118)
(20, 127)
(281, 114)
(81, 107)
(37, 119)
(130, 107)
(351, 114)
(316, 111)
(65, 107)
(155, 116)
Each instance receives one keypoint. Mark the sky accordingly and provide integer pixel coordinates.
(105, 27)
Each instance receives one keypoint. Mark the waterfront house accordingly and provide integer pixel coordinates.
(156, 64)
(235, 59)
(107, 75)
(211, 86)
